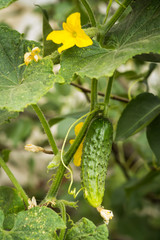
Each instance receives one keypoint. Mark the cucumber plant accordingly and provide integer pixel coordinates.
(92, 50)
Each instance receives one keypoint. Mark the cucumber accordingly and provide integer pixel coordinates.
(96, 152)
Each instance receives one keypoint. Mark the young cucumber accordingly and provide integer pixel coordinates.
(96, 151)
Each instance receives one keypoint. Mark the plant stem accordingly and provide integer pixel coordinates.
(90, 12)
(107, 11)
(107, 96)
(14, 181)
(115, 17)
(46, 127)
(67, 158)
(62, 208)
(93, 94)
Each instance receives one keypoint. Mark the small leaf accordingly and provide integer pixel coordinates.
(153, 136)
(5, 3)
(39, 223)
(21, 86)
(10, 200)
(5, 116)
(138, 113)
(86, 230)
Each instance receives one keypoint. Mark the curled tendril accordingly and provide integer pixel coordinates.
(74, 191)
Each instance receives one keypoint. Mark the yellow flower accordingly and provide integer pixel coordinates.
(72, 34)
(78, 153)
(33, 55)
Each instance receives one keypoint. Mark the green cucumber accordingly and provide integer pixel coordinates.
(96, 152)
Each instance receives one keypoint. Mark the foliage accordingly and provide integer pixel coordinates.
(115, 78)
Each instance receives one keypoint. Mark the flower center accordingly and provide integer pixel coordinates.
(74, 34)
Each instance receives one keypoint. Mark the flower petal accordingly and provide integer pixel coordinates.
(83, 40)
(78, 128)
(78, 155)
(67, 27)
(70, 42)
(74, 21)
(58, 36)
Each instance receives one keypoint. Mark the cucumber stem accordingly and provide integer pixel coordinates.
(62, 208)
(115, 17)
(46, 127)
(93, 94)
(90, 12)
(107, 96)
(14, 181)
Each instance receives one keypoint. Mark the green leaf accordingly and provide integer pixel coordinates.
(10, 200)
(138, 33)
(5, 116)
(86, 230)
(5, 3)
(143, 182)
(37, 223)
(21, 86)
(138, 113)
(153, 136)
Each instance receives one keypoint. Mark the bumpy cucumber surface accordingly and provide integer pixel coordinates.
(96, 152)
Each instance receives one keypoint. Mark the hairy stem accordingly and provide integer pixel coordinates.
(14, 181)
(107, 11)
(93, 94)
(62, 208)
(115, 17)
(107, 96)
(90, 12)
(46, 127)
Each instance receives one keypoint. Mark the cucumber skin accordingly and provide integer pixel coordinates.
(96, 152)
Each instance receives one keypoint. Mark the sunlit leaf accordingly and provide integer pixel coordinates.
(5, 116)
(10, 200)
(138, 33)
(21, 86)
(86, 230)
(39, 223)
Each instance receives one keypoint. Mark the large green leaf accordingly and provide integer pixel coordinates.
(153, 136)
(10, 203)
(86, 230)
(39, 223)
(21, 86)
(5, 116)
(138, 33)
(138, 113)
(10, 200)
(5, 3)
